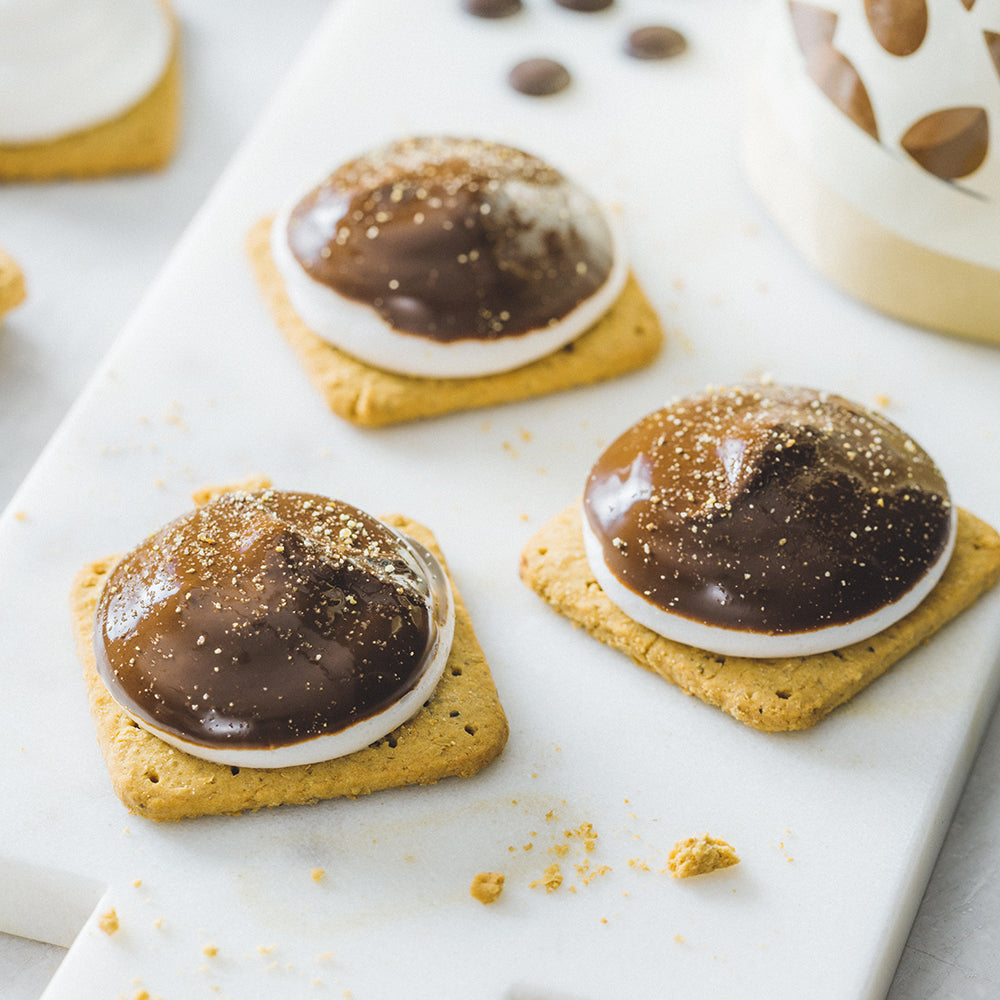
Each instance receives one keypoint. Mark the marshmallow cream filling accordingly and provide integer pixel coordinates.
(68, 65)
(732, 642)
(359, 330)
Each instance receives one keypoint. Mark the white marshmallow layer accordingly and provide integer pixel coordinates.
(759, 645)
(68, 65)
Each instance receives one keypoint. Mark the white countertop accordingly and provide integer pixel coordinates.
(90, 250)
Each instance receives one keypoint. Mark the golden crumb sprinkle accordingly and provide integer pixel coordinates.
(317, 874)
(251, 484)
(210, 950)
(700, 855)
(487, 886)
(109, 922)
(551, 878)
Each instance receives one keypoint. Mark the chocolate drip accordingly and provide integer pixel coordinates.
(453, 239)
(264, 619)
(767, 509)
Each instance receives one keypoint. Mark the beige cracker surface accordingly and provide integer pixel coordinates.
(143, 137)
(627, 337)
(458, 731)
(12, 289)
(769, 694)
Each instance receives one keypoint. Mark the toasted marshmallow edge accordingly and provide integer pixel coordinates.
(366, 731)
(358, 329)
(759, 645)
(68, 66)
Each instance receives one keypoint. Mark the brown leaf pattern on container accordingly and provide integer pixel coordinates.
(993, 45)
(828, 68)
(899, 26)
(950, 143)
(814, 26)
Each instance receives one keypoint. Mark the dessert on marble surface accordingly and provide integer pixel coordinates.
(436, 274)
(769, 549)
(868, 139)
(12, 288)
(89, 88)
(271, 647)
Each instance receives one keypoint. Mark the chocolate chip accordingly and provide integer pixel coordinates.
(492, 9)
(539, 77)
(655, 41)
(585, 6)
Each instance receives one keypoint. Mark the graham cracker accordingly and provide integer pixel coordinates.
(773, 695)
(12, 290)
(627, 337)
(143, 137)
(459, 730)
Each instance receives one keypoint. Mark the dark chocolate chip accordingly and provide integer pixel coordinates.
(539, 77)
(492, 8)
(655, 41)
(585, 6)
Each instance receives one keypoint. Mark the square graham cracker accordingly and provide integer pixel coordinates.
(459, 730)
(773, 695)
(12, 290)
(627, 337)
(143, 137)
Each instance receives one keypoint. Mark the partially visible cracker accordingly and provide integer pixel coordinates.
(458, 731)
(627, 337)
(770, 694)
(143, 137)
(12, 290)
(700, 855)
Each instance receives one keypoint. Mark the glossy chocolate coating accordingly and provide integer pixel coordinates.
(263, 619)
(767, 509)
(453, 239)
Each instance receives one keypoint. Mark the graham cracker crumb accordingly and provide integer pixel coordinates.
(109, 922)
(551, 878)
(588, 874)
(210, 950)
(487, 886)
(317, 874)
(700, 855)
(251, 484)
